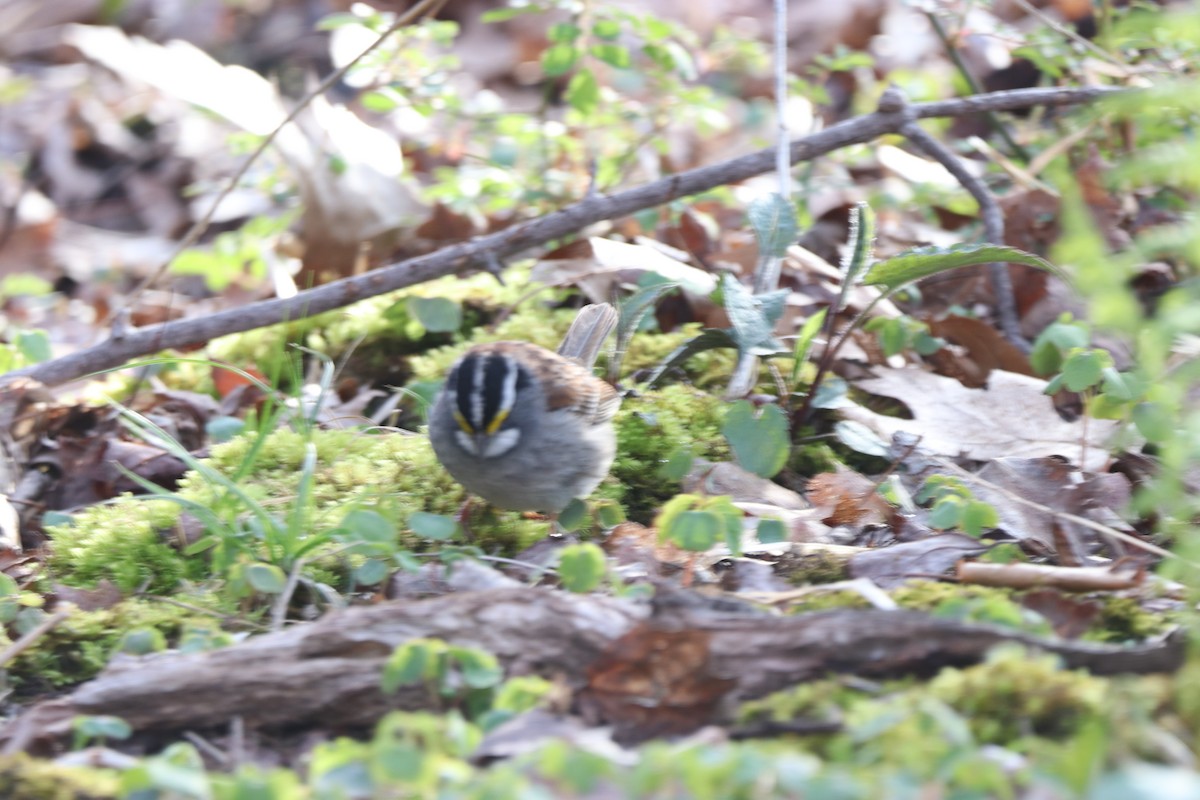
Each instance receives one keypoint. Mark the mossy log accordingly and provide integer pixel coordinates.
(327, 674)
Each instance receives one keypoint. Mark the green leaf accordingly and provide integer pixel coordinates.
(140, 641)
(613, 54)
(437, 527)
(678, 464)
(581, 567)
(504, 14)
(860, 438)
(1124, 387)
(771, 531)
(708, 339)
(606, 29)
(436, 314)
(722, 506)
(558, 59)
(34, 345)
(413, 662)
(266, 578)
(101, 726)
(175, 780)
(926, 344)
(583, 92)
(892, 336)
(759, 440)
(681, 61)
(1053, 343)
(1083, 370)
(925, 261)
(563, 33)
(832, 393)
(364, 525)
(1045, 358)
(610, 513)
(773, 218)
(947, 513)
(862, 249)
(660, 55)
(752, 331)
(978, 515)
(804, 340)
(223, 428)
(1153, 422)
(634, 309)
(573, 516)
(24, 283)
(371, 572)
(695, 530)
(480, 669)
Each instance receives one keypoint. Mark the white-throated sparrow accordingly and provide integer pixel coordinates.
(527, 429)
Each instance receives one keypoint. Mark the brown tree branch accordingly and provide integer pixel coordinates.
(477, 253)
(989, 212)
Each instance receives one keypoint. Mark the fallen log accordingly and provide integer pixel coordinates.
(326, 674)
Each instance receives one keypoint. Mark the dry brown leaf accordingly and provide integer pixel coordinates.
(634, 543)
(105, 595)
(1012, 417)
(925, 558)
(985, 346)
(743, 486)
(1070, 617)
(1055, 485)
(848, 498)
(597, 265)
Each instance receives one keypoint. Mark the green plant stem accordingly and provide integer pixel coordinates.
(829, 353)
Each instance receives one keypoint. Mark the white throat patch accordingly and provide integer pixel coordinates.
(488, 446)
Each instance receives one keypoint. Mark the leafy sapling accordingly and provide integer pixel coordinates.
(955, 507)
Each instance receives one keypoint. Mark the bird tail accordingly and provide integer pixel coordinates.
(588, 333)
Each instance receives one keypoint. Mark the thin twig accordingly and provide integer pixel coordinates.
(25, 642)
(956, 57)
(993, 227)
(766, 273)
(472, 256)
(280, 607)
(1063, 30)
(1099, 527)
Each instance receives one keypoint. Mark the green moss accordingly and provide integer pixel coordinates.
(1017, 693)
(392, 473)
(803, 566)
(652, 427)
(123, 542)
(78, 647)
(25, 778)
(1122, 619)
(822, 700)
(827, 600)
(708, 370)
(378, 329)
(812, 458)
(352, 469)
